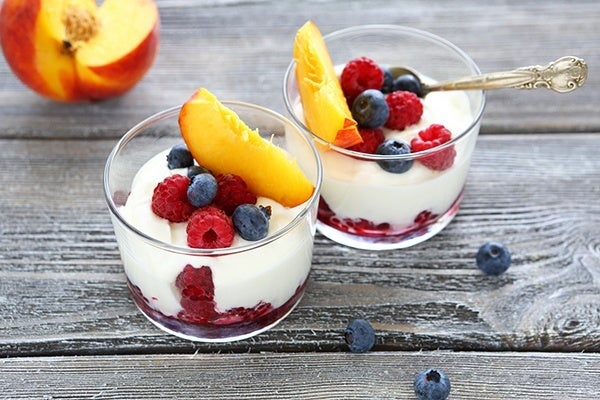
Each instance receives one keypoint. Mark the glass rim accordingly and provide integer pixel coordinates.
(290, 74)
(171, 112)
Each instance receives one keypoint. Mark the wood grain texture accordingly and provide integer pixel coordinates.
(62, 288)
(240, 50)
(373, 376)
(68, 328)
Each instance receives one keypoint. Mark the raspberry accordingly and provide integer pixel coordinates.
(170, 201)
(405, 109)
(430, 137)
(232, 191)
(209, 228)
(197, 293)
(359, 75)
(371, 139)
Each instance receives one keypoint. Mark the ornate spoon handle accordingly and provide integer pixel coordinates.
(563, 75)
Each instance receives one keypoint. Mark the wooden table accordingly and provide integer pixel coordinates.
(68, 328)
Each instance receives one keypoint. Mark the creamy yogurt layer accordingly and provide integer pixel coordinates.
(268, 274)
(356, 189)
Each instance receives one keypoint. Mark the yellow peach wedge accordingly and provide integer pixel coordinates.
(326, 111)
(220, 141)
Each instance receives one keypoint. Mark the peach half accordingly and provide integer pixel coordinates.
(75, 50)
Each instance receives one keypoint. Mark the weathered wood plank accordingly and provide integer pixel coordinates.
(222, 46)
(62, 290)
(300, 376)
(63, 299)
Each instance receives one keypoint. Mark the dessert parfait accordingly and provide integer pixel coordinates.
(214, 207)
(395, 161)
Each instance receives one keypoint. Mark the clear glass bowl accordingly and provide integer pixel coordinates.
(241, 291)
(362, 205)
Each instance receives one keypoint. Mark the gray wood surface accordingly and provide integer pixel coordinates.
(62, 278)
(69, 330)
(375, 376)
(240, 50)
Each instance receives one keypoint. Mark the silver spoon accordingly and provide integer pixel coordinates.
(563, 75)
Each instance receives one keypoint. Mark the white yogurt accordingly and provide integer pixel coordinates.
(270, 273)
(361, 189)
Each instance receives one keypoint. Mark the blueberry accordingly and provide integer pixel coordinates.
(394, 147)
(202, 190)
(179, 157)
(251, 222)
(360, 336)
(196, 170)
(388, 81)
(370, 109)
(493, 258)
(432, 384)
(408, 83)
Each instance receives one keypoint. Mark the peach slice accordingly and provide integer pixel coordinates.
(326, 111)
(220, 141)
(73, 50)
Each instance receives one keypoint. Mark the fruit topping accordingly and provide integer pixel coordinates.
(77, 50)
(202, 190)
(372, 138)
(432, 384)
(179, 157)
(405, 109)
(359, 336)
(232, 191)
(493, 258)
(196, 170)
(391, 147)
(251, 222)
(358, 75)
(197, 290)
(369, 109)
(408, 83)
(388, 80)
(326, 110)
(209, 228)
(206, 203)
(433, 136)
(425, 218)
(170, 201)
(221, 142)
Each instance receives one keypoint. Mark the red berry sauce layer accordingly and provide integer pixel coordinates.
(199, 317)
(384, 231)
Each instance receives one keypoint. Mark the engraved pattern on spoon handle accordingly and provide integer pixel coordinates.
(563, 75)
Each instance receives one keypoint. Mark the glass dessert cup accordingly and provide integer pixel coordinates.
(244, 289)
(363, 206)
